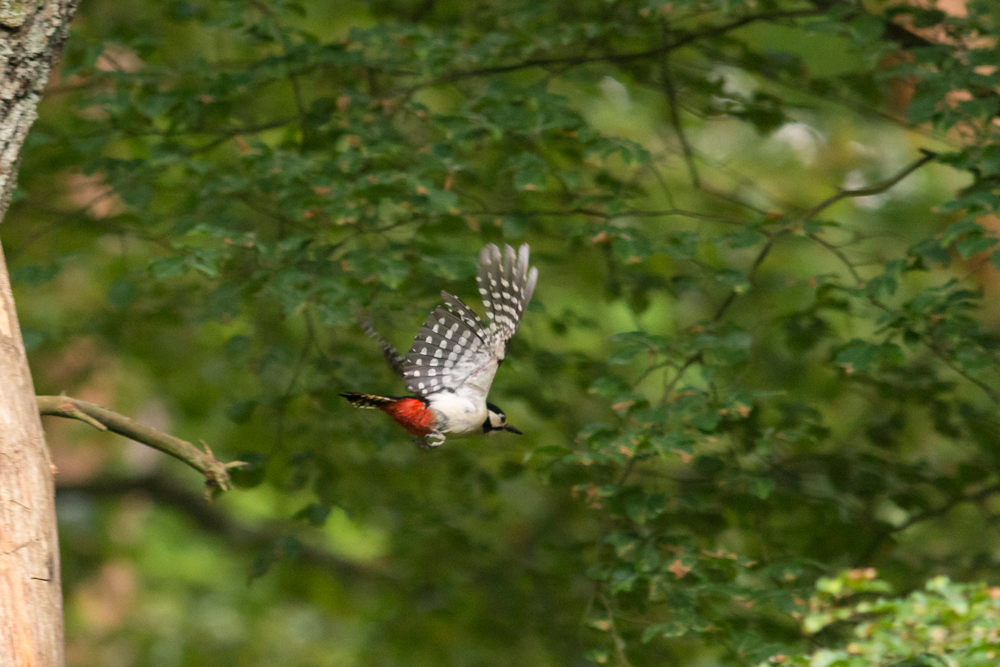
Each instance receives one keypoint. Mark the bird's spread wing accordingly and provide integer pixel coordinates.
(506, 286)
(454, 350)
(446, 351)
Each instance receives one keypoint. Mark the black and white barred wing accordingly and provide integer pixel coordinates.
(454, 350)
(506, 286)
(451, 347)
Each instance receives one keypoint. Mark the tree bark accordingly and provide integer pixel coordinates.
(31, 622)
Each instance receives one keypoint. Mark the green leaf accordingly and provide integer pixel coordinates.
(972, 245)
(168, 267)
(859, 356)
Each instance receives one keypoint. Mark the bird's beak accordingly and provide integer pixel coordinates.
(508, 427)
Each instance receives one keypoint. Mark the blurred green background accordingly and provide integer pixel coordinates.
(725, 393)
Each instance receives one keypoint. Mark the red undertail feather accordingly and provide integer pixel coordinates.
(410, 413)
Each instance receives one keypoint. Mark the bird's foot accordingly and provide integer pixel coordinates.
(431, 440)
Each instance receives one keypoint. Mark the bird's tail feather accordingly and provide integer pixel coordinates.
(368, 400)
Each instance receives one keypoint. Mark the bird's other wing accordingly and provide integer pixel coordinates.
(506, 285)
(392, 357)
(449, 348)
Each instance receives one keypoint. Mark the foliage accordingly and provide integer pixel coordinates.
(735, 378)
(944, 624)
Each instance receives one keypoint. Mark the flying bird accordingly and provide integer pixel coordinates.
(451, 365)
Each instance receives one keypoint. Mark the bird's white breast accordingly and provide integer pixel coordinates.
(458, 415)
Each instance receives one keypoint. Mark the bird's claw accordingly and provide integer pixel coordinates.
(431, 440)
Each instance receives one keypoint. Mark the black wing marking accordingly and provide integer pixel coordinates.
(467, 315)
(445, 352)
(392, 357)
(506, 285)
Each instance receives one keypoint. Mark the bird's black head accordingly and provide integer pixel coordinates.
(496, 420)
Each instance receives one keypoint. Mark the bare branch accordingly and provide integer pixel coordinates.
(876, 189)
(674, 111)
(216, 472)
(933, 513)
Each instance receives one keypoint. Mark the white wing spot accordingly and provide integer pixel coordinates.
(420, 362)
(428, 340)
(434, 362)
(416, 374)
(449, 333)
(432, 372)
(439, 354)
(444, 343)
(421, 385)
(436, 327)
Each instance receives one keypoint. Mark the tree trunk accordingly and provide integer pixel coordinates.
(31, 625)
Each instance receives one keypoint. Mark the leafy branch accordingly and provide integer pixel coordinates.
(614, 58)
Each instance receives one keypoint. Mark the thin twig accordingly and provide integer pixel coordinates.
(751, 274)
(989, 391)
(810, 213)
(868, 191)
(624, 213)
(673, 111)
(616, 638)
(574, 61)
(884, 534)
(293, 79)
(235, 132)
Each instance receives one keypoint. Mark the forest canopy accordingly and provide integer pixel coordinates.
(758, 381)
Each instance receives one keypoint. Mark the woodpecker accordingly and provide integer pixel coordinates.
(450, 367)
